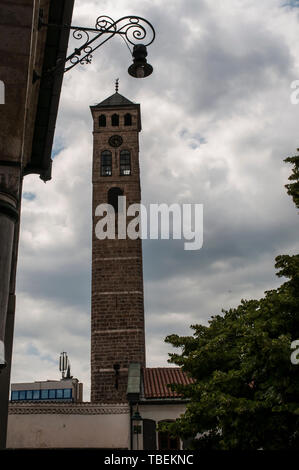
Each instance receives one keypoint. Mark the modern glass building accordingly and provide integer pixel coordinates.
(49, 390)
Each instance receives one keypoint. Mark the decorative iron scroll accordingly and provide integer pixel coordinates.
(132, 28)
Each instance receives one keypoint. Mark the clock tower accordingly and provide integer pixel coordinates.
(117, 311)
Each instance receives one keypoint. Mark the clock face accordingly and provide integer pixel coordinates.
(115, 141)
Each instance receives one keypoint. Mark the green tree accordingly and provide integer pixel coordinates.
(245, 393)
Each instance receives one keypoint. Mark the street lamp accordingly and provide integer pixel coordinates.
(131, 28)
(137, 426)
(140, 68)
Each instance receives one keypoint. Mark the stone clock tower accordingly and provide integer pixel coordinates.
(117, 311)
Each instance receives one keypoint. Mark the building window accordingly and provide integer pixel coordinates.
(128, 119)
(125, 163)
(113, 195)
(168, 442)
(35, 394)
(102, 120)
(67, 393)
(14, 395)
(106, 163)
(115, 120)
(44, 394)
(48, 394)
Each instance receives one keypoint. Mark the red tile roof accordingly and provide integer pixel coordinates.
(156, 380)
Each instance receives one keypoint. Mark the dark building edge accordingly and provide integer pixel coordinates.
(56, 46)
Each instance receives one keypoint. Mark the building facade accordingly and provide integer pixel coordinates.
(67, 389)
(44, 424)
(121, 384)
(117, 315)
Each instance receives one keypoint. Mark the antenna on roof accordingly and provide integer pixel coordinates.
(68, 372)
(116, 85)
(64, 364)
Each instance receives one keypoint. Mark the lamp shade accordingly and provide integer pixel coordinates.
(137, 423)
(140, 68)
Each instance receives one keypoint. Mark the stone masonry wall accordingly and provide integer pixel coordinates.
(117, 319)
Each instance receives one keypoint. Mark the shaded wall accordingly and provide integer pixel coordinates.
(47, 425)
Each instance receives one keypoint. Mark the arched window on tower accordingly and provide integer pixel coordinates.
(106, 163)
(128, 119)
(102, 120)
(113, 194)
(115, 120)
(125, 163)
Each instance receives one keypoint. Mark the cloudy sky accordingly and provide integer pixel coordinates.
(217, 123)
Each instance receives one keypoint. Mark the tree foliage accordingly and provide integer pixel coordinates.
(245, 393)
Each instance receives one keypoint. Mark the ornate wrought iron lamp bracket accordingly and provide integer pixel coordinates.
(133, 29)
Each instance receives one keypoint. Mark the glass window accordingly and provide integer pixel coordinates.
(22, 395)
(14, 395)
(106, 163)
(102, 120)
(128, 119)
(59, 393)
(44, 394)
(125, 163)
(115, 120)
(29, 394)
(52, 394)
(36, 394)
(67, 393)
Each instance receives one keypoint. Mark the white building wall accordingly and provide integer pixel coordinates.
(162, 412)
(84, 425)
(81, 425)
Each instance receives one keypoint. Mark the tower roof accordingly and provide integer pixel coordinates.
(114, 100)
